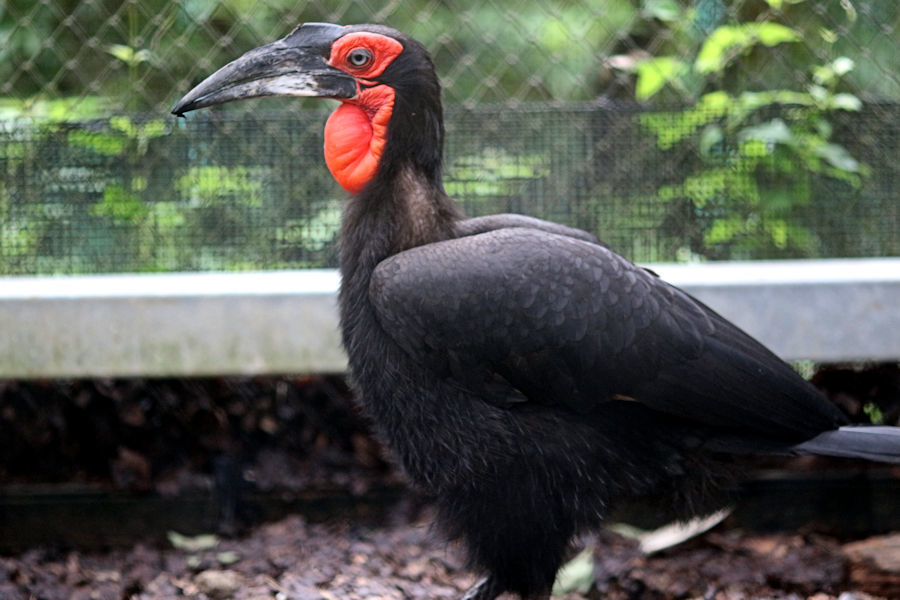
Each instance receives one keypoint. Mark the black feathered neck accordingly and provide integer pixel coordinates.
(416, 130)
(392, 214)
(404, 205)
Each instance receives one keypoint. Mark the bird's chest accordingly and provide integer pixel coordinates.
(440, 435)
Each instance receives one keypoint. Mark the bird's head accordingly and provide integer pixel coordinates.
(390, 112)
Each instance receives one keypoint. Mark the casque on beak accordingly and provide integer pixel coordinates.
(295, 65)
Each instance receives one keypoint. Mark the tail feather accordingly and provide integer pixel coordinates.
(869, 442)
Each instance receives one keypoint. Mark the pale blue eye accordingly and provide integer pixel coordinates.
(359, 57)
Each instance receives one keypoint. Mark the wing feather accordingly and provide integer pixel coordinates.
(531, 315)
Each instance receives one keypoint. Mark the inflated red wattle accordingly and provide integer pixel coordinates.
(355, 135)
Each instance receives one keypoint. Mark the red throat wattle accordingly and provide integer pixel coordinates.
(356, 132)
(355, 135)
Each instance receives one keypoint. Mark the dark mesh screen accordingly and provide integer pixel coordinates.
(242, 191)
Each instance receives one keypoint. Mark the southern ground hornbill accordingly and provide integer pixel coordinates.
(521, 372)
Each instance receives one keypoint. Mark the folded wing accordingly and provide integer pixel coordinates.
(522, 315)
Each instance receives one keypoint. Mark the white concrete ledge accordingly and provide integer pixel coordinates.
(183, 324)
(822, 310)
(286, 321)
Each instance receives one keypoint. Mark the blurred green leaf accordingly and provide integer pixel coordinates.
(829, 73)
(710, 137)
(577, 575)
(772, 34)
(59, 110)
(754, 148)
(715, 102)
(123, 124)
(775, 131)
(155, 128)
(168, 215)
(108, 144)
(129, 55)
(120, 205)
(846, 102)
(664, 10)
(874, 413)
(228, 557)
(724, 230)
(838, 157)
(194, 543)
(323, 228)
(778, 231)
(829, 36)
(849, 10)
(729, 41)
(751, 101)
(654, 73)
(214, 184)
(674, 127)
(842, 65)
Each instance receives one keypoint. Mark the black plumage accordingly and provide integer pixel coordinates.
(521, 372)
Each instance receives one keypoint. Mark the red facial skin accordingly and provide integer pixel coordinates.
(356, 132)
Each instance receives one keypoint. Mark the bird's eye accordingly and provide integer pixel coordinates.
(359, 57)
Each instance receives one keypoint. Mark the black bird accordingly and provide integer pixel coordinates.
(523, 373)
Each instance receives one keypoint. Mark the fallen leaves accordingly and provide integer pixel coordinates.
(292, 559)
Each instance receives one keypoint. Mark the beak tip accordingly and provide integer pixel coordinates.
(181, 107)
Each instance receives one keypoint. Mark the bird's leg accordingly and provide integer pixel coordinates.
(486, 589)
(489, 589)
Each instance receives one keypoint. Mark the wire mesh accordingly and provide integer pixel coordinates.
(674, 129)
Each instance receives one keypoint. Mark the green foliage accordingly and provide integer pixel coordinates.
(122, 201)
(730, 163)
(876, 416)
(317, 233)
(494, 172)
(195, 543)
(654, 73)
(526, 52)
(727, 42)
(122, 205)
(128, 55)
(577, 575)
(55, 110)
(119, 195)
(758, 151)
(206, 186)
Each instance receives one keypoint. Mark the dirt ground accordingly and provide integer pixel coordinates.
(167, 438)
(294, 560)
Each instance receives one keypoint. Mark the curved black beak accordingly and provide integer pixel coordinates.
(293, 66)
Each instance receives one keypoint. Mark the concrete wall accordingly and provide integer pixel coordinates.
(286, 321)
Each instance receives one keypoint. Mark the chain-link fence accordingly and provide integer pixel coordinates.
(672, 128)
